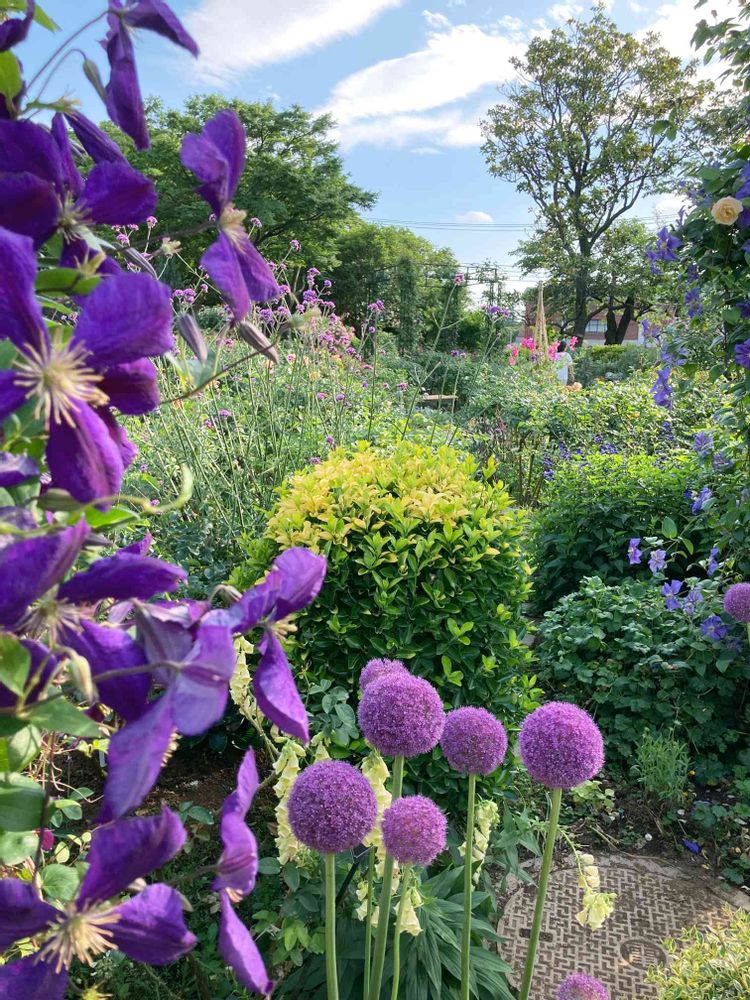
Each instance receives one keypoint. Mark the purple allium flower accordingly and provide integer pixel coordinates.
(714, 628)
(634, 553)
(374, 669)
(670, 592)
(414, 830)
(124, 104)
(737, 602)
(332, 807)
(401, 715)
(703, 444)
(217, 158)
(149, 926)
(473, 741)
(579, 986)
(560, 745)
(657, 561)
(742, 353)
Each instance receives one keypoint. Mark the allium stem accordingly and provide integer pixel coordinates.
(332, 978)
(368, 922)
(381, 939)
(468, 888)
(405, 881)
(549, 850)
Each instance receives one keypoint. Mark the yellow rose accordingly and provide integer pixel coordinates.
(726, 211)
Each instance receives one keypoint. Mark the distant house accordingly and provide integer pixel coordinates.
(595, 330)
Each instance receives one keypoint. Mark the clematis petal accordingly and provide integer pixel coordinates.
(126, 317)
(302, 575)
(23, 912)
(155, 15)
(30, 148)
(259, 280)
(240, 952)
(141, 547)
(132, 387)
(166, 630)
(29, 979)
(124, 102)
(12, 395)
(16, 469)
(151, 927)
(51, 556)
(276, 692)
(122, 576)
(136, 756)
(220, 260)
(198, 694)
(71, 178)
(107, 648)
(21, 319)
(216, 157)
(238, 866)
(77, 254)
(250, 610)
(15, 29)
(115, 194)
(126, 850)
(83, 459)
(117, 433)
(28, 206)
(97, 144)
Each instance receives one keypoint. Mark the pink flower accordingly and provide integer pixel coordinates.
(151, 221)
(459, 279)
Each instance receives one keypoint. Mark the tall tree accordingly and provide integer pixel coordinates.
(621, 286)
(294, 180)
(577, 133)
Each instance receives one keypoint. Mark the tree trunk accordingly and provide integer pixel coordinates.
(610, 336)
(626, 318)
(580, 321)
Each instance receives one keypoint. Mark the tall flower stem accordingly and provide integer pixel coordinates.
(381, 939)
(549, 849)
(468, 887)
(368, 921)
(332, 979)
(405, 883)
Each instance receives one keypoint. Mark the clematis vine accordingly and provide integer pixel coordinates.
(217, 158)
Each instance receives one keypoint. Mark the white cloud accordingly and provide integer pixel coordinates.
(564, 11)
(453, 129)
(474, 216)
(426, 151)
(454, 64)
(435, 20)
(676, 22)
(239, 35)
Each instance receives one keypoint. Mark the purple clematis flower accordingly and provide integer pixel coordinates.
(217, 158)
(124, 102)
(703, 444)
(670, 591)
(42, 191)
(148, 927)
(235, 878)
(700, 500)
(692, 599)
(744, 189)
(661, 389)
(15, 29)
(713, 563)
(125, 320)
(714, 628)
(634, 553)
(657, 561)
(16, 469)
(742, 354)
(96, 143)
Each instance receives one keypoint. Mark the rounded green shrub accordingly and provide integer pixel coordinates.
(707, 965)
(618, 652)
(593, 506)
(612, 362)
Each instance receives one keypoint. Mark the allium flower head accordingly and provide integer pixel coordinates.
(332, 807)
(375, 669)
(582, 987)
(737, 602)
(474, 741)
(414, 830)
(401, 715)
(561, 746)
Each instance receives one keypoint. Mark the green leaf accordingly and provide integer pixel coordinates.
(10, 75)
(19, 749)
(59, 882)
(43, 18)
(63, 717)
(291, 876)
(668, 528)
(21, 803)
(269, 866)
(14, 664)
(16, 847)
(65, 280)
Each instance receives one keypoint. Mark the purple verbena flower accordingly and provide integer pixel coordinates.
(332, 807)
(634, 553)
(714, 628)
(414, 830)
(560, 745)
(401, 715)
(148, 927)
(473, 741)
(217, 158)
(374, 669)
(579, 986)
(657, 561)
(670, 591)
(737, 602)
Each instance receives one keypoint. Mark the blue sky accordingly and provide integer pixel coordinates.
(407, 83)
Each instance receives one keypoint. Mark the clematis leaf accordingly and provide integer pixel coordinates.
(61, 716)
(21, 803)
(10, 75)
(14, 664)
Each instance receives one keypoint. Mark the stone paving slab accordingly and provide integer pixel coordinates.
(655, 900)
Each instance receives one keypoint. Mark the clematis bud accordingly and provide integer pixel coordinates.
(258, 340)
(80, 673)
(91, 72)
(193, 337)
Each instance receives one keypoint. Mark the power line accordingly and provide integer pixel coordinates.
(490, 227)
